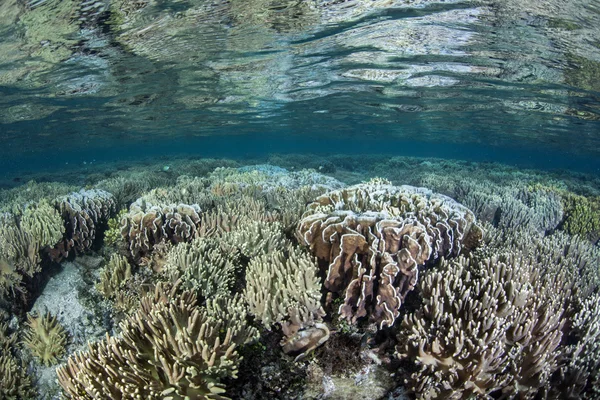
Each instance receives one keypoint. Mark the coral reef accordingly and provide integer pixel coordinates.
(582, 216)
(169, 348)
(43, 223)
(371, 239)
(45, 338)
(281, 281)
(15, 383)
(17, 247)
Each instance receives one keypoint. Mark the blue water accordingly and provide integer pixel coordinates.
(512, 83)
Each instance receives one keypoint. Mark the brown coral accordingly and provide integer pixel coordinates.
(146, 226)
(82, 213)
(371, 239)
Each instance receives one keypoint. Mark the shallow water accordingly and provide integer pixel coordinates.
(331, 173)
(82, 80)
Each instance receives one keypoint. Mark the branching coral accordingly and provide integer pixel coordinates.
(43, 223)
(371, 239)
(113, 234)
(208, 265)
(492, 326)
(113, 276)
(170, 349)
(579, 377)
(283, 287)
(279, 281)
(15, 383)
(45, 338)
(258, 238)
(17, 247)
(582, 216)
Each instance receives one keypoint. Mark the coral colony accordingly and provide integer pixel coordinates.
(252, 281)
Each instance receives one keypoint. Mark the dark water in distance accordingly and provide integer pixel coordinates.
(509, 81)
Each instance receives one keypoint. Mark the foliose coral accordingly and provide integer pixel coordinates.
(147, 225)
(370, 240)
(169, 349)
(82, 212)
(45, 338)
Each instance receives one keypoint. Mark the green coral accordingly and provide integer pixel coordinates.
(45, 338)
(113, 234)
(43, 223)
(582, 215)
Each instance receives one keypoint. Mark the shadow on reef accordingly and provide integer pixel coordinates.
(259, 282)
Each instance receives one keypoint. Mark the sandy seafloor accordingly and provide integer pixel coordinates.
(511, 313)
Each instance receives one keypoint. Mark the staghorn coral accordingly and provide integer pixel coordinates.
(170, 349)
(370, 240)
(45, 338)
(82, 212)
(146, 226)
